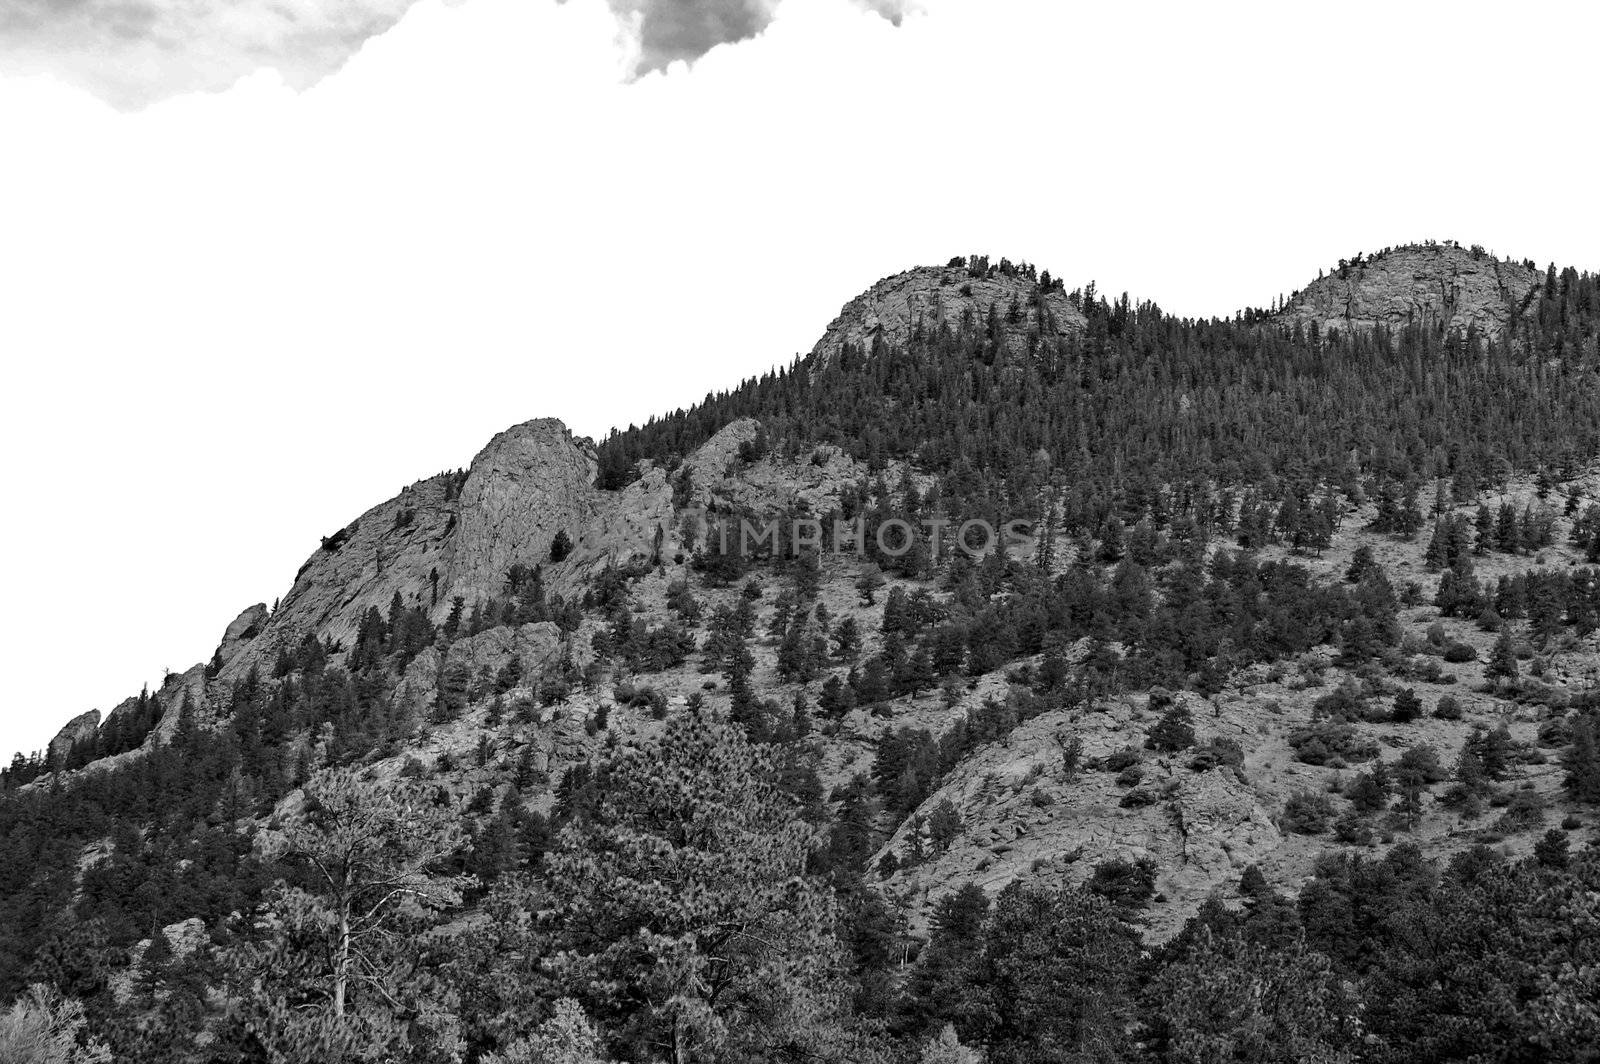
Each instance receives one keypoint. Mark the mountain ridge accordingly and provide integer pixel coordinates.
(409, 545)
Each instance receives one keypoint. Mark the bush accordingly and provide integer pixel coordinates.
(1174, 731)
(1216, 753)
(1117, 761)
(1448, 708)
(1326, 741)
(1307, 814)
(1524, 813)
(1407, 707)
(1353, 829)
(45, 1028)
(1457, 653)
(1344, 703)
(1129, 885)
(1421, 762)
(1140, 797)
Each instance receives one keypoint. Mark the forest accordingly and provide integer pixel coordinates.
(303, 877)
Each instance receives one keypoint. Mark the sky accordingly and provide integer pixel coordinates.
(264, 263)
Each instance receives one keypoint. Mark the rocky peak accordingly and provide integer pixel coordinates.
(438, 538)
(78, 728)
(244, 628)
(931, 295)
(532, 481)
(1440, 284)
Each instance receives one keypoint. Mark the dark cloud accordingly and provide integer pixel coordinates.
(670, 30)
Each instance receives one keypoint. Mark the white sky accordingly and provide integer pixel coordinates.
(231, 323)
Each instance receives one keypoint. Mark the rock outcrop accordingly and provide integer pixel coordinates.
(1430, 284)
(440, 538)
(77, 729)
(396, 546)
(933, 295)
(242, 630)
(532, 481)
(483, 656)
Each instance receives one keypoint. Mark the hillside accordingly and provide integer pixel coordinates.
(1432, 285)
(1284, 608)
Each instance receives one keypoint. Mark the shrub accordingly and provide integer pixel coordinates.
(1174, 731)
(1129, 885)
(1119, 760)
(1343, 703)
(1139, 797)
(1421, 763)
(1307, 814)
(1448, 708)
(1353, 829)
(1524, 813)
(1215, 753)
(1407, 707)
(1325, 741)
(1458, 652)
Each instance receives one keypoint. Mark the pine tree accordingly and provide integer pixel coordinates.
(944, 825)
(1502, 663)
(1582, 760)
(1407, 707)
(868, 585)
(1174, 731)
(695, 867)
(340, 973)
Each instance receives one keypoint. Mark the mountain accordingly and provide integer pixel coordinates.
(1441, 285)
(934, 296)
(1290, 584)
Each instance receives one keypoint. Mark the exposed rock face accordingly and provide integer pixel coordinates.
(244, 628)
(183, 939)
(537, 645)
(1437, 285)
(722, 483)
(430, 543)
(1224, 829)
(78, 728)
(931, 295)
(395, 546)
(532, 481)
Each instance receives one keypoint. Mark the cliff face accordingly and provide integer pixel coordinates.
(1433, 285)
(438, 538)
(83, 726)
(935, 295)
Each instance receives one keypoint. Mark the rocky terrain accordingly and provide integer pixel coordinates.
(931, 296)
(1426, 284)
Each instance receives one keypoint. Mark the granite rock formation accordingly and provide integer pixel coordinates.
(1428, 284)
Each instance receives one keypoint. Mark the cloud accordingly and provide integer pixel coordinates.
(673, 30)
(132, 53)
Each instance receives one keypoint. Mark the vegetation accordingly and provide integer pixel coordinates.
(334, 870)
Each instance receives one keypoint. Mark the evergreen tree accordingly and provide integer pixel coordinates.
(340, 972)
(681, 905)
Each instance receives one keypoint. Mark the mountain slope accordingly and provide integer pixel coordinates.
(1273, 592)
